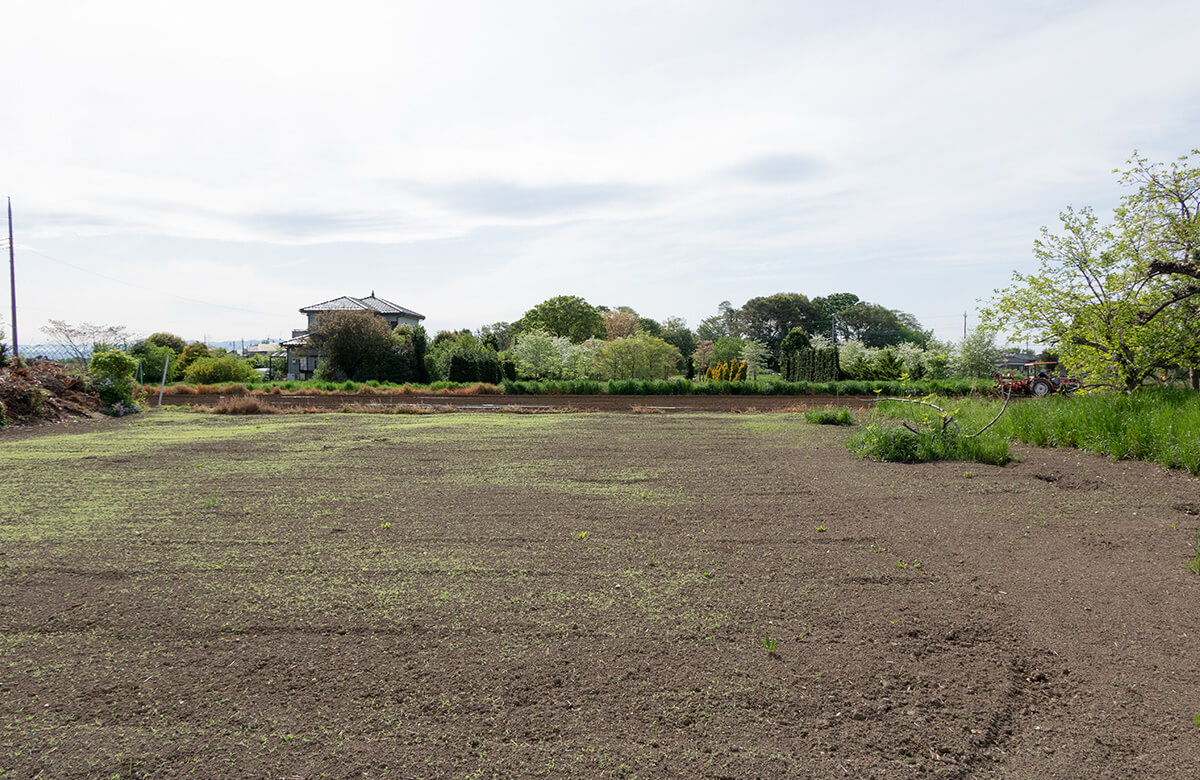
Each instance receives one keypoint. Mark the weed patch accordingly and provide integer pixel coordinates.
(829, 416)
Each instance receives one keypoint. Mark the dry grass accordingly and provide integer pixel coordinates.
(243, 405)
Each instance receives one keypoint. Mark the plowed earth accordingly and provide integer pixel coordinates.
(601, 403)
(584, 595)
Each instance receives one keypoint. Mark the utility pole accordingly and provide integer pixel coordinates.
(12, 275)
(964, 324)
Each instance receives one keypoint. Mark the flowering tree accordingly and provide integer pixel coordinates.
(539, 355)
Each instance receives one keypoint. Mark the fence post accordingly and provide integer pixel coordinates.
(163, 384)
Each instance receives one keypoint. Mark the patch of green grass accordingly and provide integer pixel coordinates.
(896, 444)
(840, 416)
(1155, 424)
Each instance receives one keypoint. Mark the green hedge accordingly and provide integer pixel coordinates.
(810, 365)
(685, 387)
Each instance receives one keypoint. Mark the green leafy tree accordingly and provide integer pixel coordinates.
(1165, 208)
(977, 355)
(360, 346)
(1118, 300)
(568, 316)
(192, 352)
(651, 327)
(794, 340)
(724, 323)
(153, 359)
(876, 326)
(460, 357)
(170, 340)
(676, 332)
(727, 349)
(111, 372)
(769, 319)
(827, 307)
(499, 336)
(640, 356)
(755, 355)
(1090, 299)
(226, 368)
(540, 355)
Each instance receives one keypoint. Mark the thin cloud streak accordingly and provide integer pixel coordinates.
(468, 160)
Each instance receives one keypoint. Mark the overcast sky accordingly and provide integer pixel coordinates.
(209, 168)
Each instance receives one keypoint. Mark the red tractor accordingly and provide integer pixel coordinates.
(1039, 381)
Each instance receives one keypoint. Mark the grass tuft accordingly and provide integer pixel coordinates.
(829, 416)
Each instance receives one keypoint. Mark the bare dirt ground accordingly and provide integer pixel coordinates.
(599, 403)
(584, 595)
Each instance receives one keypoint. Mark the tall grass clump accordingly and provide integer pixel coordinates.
(896, 444)
(1155, 424)
(829, 416)
(934, 438)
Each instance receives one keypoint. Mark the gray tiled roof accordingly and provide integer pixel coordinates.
(369, 303)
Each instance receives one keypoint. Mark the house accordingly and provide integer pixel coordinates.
(1015, 361)
(302, 359)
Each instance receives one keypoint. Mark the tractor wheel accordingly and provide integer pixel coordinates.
(1041, 388)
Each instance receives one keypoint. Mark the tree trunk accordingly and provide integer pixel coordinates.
(1194, 376)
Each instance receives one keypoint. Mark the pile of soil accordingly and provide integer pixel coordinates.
(41, 391)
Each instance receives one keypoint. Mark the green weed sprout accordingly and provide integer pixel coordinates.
(768, 643)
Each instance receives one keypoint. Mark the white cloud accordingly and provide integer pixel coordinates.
(470, 159)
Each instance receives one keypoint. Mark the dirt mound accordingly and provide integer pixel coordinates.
(41, 391)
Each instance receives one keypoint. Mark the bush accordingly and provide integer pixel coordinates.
(633, 357)
(211, 370)
(153, 358)
(112, 372)
(829, 416)
(895, 444)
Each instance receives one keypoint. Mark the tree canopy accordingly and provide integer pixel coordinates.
(877, 326)
(568, 316)
(359, 345)
(768, 319)
(1117, 299)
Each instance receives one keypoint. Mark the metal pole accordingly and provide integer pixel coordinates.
(964, 324)
(12, 275)
(163, 384)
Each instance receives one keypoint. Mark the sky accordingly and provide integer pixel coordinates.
(208, 169)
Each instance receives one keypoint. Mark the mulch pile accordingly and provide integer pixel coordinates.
(41, 391)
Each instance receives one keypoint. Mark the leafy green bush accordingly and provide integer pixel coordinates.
(153, 358)
(829, 416)
(895, 444)
(112, 374)
(211, 370)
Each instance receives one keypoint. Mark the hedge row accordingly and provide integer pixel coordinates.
(810, 365)
(685, 387)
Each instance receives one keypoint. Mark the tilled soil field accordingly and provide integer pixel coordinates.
(599, 403)
(592, 595)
